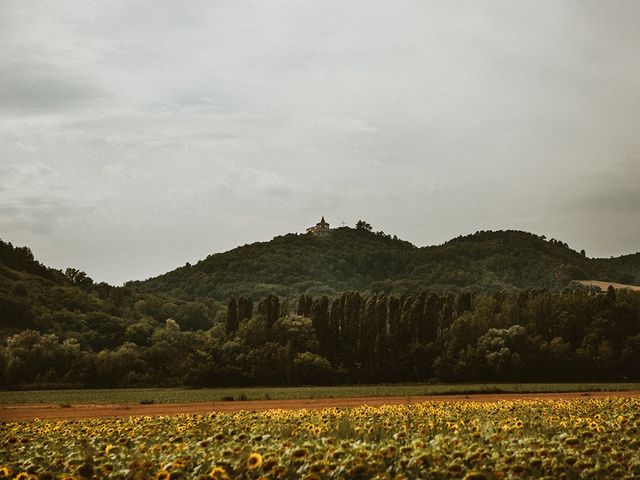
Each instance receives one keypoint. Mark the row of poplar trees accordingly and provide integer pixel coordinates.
(367, 337)
(536, 335)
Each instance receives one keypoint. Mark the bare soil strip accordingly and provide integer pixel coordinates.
(49, 411)
(604, 285)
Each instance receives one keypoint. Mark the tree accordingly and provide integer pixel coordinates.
(78, 277)
(32, 357)
(194, 316)
(254, 332)
(296, 331)
(269, 308)
(319, 315)
(362, 225)
(14, 313)
(311, 369)
(232, 316)
(245, 308)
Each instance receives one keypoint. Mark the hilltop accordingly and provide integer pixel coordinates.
(359, 259)
(346, 259)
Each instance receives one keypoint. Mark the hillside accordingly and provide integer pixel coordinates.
(71, 306)
(289, 265)
(511, 259)
(357, 259)
(61, 329)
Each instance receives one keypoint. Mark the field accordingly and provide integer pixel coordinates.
(604, 285)
(176, 395)
(581, 438)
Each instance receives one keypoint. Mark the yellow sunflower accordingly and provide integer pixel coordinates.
(218, 473)
(163, 475)
(254, 461)
(299, 453)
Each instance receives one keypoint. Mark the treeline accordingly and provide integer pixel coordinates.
(289, 265)
(21, 259)
(358, 259)
(576, 335)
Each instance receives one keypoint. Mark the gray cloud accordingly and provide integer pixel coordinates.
(39, 215)
(211, 125)
(615, 191)
(26, 89)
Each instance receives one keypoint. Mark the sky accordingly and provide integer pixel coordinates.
(138, 136)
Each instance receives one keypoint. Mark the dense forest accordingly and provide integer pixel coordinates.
(60, 328)
(393, 323)
(351, 338)
(359, 259)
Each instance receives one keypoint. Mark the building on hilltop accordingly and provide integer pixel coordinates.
(320, 228)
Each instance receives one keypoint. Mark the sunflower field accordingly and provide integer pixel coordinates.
(553, 439)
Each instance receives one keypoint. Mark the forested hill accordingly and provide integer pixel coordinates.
(21, 259)
(61, 328)
(358, 259)
(345, 259)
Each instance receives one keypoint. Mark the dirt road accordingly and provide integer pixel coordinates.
(31, 411)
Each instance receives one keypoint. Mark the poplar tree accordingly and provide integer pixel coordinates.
(232, 316)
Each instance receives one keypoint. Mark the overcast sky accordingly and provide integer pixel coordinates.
(138, 135)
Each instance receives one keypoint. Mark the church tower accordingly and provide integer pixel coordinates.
(320, 227)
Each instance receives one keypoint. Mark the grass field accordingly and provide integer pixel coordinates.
(546, 439)
(176, 395)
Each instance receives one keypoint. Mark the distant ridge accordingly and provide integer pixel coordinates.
(359, 259)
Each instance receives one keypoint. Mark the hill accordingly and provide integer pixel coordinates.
(289, 265)
(71, 306)
(358, 259)
(61, 329)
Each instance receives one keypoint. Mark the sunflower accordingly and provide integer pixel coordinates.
(269, 465)
(177, 464)
(312, 476)
(22, 476)
(473, 475)
(280, 471)
(299, 453)
(218, 473)
(254, 461)
(163, 475)
(5, 472)
(318, 468)
(359, 471)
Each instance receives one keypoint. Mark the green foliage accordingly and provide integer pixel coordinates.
(358, 259)
(288, 266)
(312, 369)
(362, 225)
(77, 277)
(353, 309)
(508, 337)
(194, 395)
(21, 259)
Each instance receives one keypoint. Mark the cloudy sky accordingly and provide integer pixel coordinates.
(138, 135)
